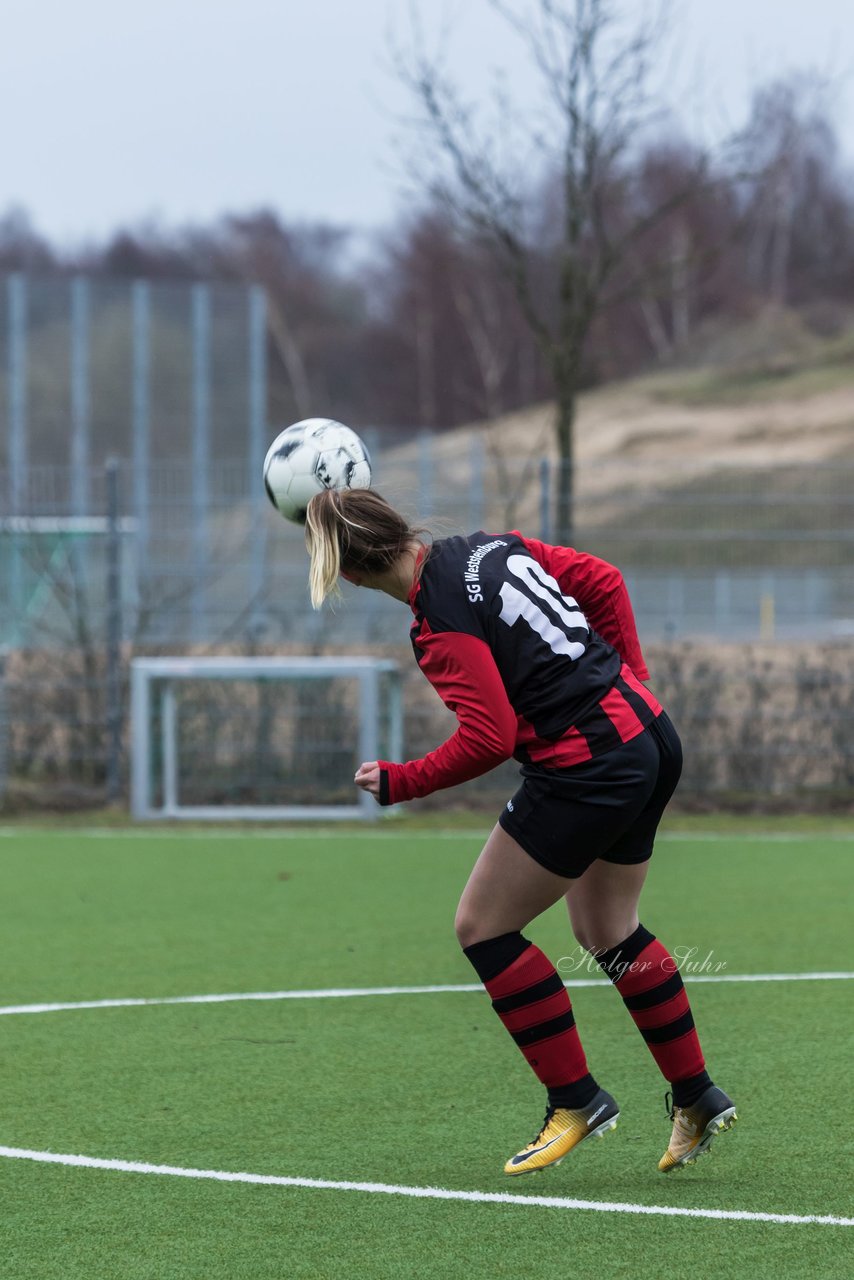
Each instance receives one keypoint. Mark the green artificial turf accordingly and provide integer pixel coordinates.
(414, 1090)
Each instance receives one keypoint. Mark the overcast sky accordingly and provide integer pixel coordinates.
(117, 111)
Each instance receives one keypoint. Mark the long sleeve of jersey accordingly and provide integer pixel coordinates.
(462, 670)
(601, 592)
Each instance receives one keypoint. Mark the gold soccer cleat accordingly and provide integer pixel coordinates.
(695, 1127)
(562, 1130)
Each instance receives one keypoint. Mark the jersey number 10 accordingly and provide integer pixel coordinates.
(517, 604)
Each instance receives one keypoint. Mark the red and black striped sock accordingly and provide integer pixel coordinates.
(648, 979)
(532, 1002)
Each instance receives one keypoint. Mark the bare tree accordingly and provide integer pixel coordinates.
(593, 74)
(492, 339)
(672, 277)
(794, 194)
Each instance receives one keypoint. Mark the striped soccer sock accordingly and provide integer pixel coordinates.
(647, 977)
(532, 1002)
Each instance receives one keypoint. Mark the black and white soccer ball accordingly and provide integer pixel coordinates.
(310, 456)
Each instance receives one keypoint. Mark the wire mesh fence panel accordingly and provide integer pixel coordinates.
(265, 743)
(169, 380)
(180, 588)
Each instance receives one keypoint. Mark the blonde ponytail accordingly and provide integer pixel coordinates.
(321, 539)
(351, 529)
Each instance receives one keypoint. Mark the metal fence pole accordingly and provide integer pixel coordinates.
(141, 420)
(257, 449)
(371, 437)
(200, 480)
(114, 634)
(80, 414)
(4, 729)
(80, 408)
(16, 390)
(476, 464)
(545, 500)
(425, 474)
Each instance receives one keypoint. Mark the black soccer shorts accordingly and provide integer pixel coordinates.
(608, 808)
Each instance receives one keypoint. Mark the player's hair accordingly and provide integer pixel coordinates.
(352, 529)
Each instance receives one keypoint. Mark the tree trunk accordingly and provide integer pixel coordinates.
(680, 279)
(781, 241)
(565, 479)
(655, 328)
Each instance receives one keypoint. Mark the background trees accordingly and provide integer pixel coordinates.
(427, 326)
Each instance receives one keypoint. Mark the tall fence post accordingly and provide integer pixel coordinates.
(545, 500)
(476, 463)
(4, 729)
(425, 474)
(114, 634)
(141, 421)
(80, 421)
(80, 408)
(257, 450)
(200, 480)
(16, 390)
(371, 437)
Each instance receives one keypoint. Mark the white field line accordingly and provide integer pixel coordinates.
(345, 993)
(424, 1193)
(372, 833)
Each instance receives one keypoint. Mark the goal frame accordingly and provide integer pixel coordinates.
(148, 675)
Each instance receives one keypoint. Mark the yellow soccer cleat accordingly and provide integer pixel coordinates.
(695, 1127)
(562, 1130)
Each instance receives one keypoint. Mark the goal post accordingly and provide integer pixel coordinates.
(259, 739)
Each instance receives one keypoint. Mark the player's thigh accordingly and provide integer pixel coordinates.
(506, 890)
(603, 903)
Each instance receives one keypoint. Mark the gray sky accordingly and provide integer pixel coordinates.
(115, 111)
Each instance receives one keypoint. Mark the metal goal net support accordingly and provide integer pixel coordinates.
(259, 739)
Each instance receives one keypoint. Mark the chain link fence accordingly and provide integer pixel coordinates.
(742, 581)
(751, 651)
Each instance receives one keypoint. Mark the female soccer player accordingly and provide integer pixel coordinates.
(534, 648)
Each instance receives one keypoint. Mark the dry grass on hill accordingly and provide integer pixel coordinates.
(787, 403)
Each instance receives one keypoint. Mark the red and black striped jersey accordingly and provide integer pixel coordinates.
(535, 650)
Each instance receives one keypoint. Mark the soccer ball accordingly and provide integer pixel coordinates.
(310, 456)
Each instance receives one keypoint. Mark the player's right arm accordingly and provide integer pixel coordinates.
(462, 670)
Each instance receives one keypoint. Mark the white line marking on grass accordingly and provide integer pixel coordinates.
(425, 1193)
(768, 977)
(346, 993)
(444, 833)
(329, 994)
(243, 833)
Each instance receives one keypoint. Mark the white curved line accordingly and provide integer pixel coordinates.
(426, 1193)
(347, 993)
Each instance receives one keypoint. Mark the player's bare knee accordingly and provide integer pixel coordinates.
(468, 929)
(602, 936)
(583, 938)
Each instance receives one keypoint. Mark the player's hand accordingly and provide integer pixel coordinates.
(368, 778)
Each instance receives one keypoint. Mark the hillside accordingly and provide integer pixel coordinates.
(764, 442)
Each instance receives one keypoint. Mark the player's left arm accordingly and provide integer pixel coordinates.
(601, 592)
(462, 670)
